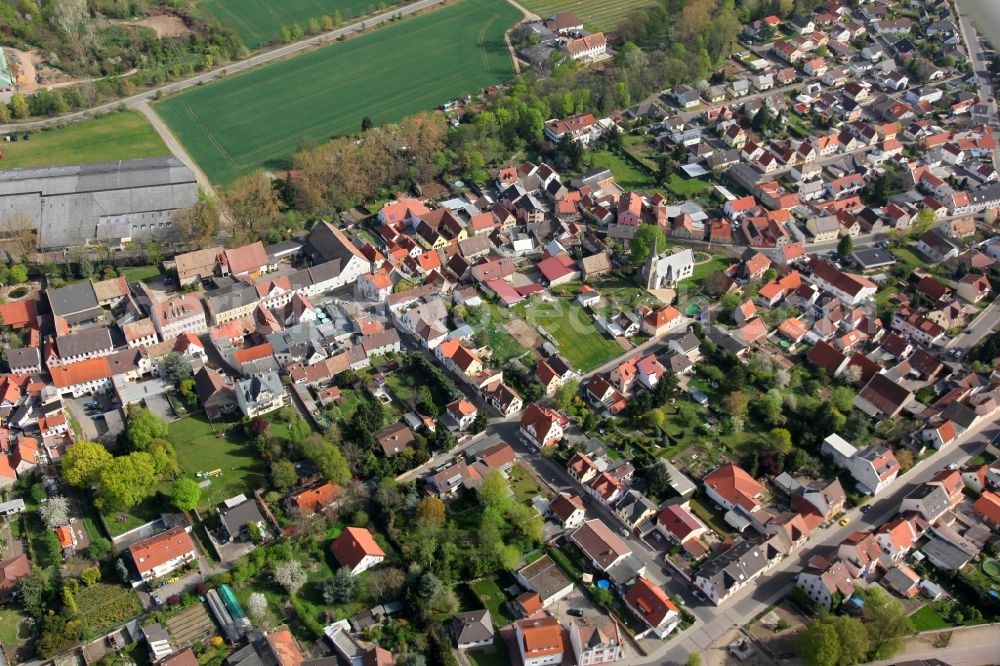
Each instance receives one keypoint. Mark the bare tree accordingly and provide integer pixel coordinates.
(17, 235)
(196, 226)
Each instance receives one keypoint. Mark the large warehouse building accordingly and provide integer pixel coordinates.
(108, 203)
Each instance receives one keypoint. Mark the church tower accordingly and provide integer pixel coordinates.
(650, 271)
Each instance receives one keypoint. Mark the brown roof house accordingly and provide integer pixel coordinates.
(216, 391)
(394, 439)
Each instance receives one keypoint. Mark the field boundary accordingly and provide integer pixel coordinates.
(259, 117)
(248, 63)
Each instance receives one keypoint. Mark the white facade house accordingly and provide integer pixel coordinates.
(161, 554)
(184, 314)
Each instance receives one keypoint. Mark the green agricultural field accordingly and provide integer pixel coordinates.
(595, 14)
(200, 449)
(583, 345)
(259, 118)
(116, 136)
(260, 21)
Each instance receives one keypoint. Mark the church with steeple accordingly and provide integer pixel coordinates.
(664, 271)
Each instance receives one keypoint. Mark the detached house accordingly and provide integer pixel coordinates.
(157, 556)
(653, 606)
(825, 582)
(356, 549)
(873, 467)
(261, 394)
(735, 491)
(541, 426)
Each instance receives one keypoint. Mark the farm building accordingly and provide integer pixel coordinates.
(108, 203)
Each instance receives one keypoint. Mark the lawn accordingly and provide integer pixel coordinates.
(704, 269)
(688, 187)
(627, 175)
(199, 449)
(260, 21)
(116, 136)
(140, 273)
(258, 119)
(524, 485)
(148, 511)
(349, 401)
(493, 598)
(927, 618)
(488, 320)
(10, 620)
(575, 331)
(908, 257)
(595, 14)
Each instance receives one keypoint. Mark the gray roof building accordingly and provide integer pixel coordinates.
(24, 359)
(473, 628)
(236, 518)
(944, 555)
(90, 341)
(108, 203)
(75, 302)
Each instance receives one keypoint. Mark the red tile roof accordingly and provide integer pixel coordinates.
(311, 500)
(284, 647)
(64, 376)
(160, 549)
(353, 545)
(246, 259)
(650, 601)
(735, 485)
(988, 506)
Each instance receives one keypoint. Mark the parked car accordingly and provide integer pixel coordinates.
(575, 612)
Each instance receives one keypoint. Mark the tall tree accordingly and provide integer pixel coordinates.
(55, 512)
(83, 462)
(886, 621)
(197, 225)
(143, 426)
(17, 235)
(185, 494)
(126, 481)
(253, 205)
(646, 237)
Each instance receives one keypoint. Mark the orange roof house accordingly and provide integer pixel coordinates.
(731, 486)
(248, 259)
(65, 536)
(652, 604)
(284, 648)
(89, 371)
(163, 553)
(309, 501)
(539, 639)
(357, 550)
(18, 314)
(987, 507)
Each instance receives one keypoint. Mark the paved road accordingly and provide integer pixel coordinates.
(713, 622)
(985, 322)
(980, 65)
(965, 655)
(231, 68)
(175, 146)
